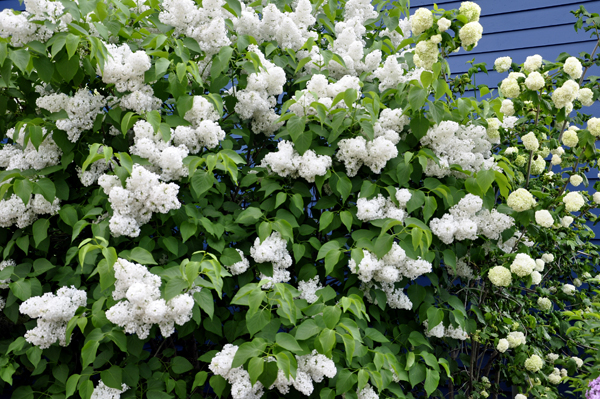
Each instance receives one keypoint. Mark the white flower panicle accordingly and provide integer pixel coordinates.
(357, 151)
(166, 160)
(440, 331)
(393, 73)
(81, 109)
(467, 219)
(239, 267)
(312, 368)
(241, 386)
(104, 392)
(18, 156)
(273, 249)
(569, 289)
(544, 304)
(125, 68)
(141, 100)
(21, 28)
(367, 393)
(14, 212)
(204, 131)
(53, 313)
(379, 208)
(309, 288)
(466, 146)
(257, 100)
(205, 24)
(142, 196)
(4, 264)
(141, 306)
(288, 162)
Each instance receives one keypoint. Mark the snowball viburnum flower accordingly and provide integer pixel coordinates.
(534, 363)
(502, 64)
(530, 142)
(520, 200)
(421, 20)
(570, 138)
(523, 265)
(502, 345)
(573, 201)
(573, 67)
(544, 218)
(593, 125)
(500, 276)
(544, 303)
(576, 180)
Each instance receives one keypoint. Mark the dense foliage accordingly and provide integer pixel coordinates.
(288, 199)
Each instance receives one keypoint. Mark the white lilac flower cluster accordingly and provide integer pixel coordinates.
(466, 146)
(462, 269)
(103, 392)
(93, 171)
(287, 162)
(357, 151)
(204, 131)
(393, 73)
(367, 392)
(239, 267)
(289, 29)
(241, 386)
(81, 109)
(14, 211)
(21, 28)
(318, 89)
(18, 156)
(141, 306)
(440, 331)
(166, 160)
(53, 313)
(312, 368)
(385, 272)
(125, 68)
(258, 99)
(141, 100)
(142, 196)
(274, 250)
(381, 207)
(467, 219)
(308, 289)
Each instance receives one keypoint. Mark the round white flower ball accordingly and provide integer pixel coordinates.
(596, 197)
(568, 289)
(556, 159)
(578, 361)
(544, 218)
(502, 345)
(576, 180)
(577, 282)
(544, 303)
(566, 221)
(533, 63)
(500, 276)
(510, 88)
(484, 394)
(502, 64)
(535, 81)
(520, 200)
(586, 96)
(570, 138)
(421, 20)
(530, 142)
(593, 125)
(548, 257)
(516, 338)
(539, 265)
(443, 24)
(573, 67)
(470, 10)
(520, 396)
(523, 265)
(534, 363)
(573, 201)
(507, 108)
(536, 278)
(470, 34)
(555, 378)
(436, 39)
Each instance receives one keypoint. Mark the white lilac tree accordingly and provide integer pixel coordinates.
(287, 199)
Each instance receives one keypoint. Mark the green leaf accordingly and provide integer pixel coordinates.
(346, 218)
(40, 231)
(68, 67)
(113, 377)
(345, 381)
(142, 256)
(416, 97)
(205, 301)
(307, 329)
(221, 62)
(248, 350)
(45, 187)
(383, 245)
(287, 341)
(375, 335)
(485, 178)
(200, 379)
(419, 124)
(202, 181)
(255, 368)
(174, 287)
(416, 374)
(21, 289)
(432, 380)
(434, 317)
(180, 365)
(188, 229)
(72, 41)
(20, 58)
(88, 353)
(249, 216)
(23, 188)
(429, 208)
(71, 385)
(23, 392)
